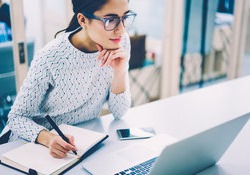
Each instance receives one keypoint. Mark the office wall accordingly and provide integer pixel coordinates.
(54, 18)
(150, 17)
(33, 21)
(43, 18)
(7, 1)
(248, 37)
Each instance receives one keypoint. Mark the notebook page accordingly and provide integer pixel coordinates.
(84, 138)
(37, 157)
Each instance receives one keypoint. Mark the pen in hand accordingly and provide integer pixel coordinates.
(53, 124)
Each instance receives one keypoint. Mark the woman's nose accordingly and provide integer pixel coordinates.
(120, 28)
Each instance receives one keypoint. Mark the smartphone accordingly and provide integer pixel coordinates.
(135, 133)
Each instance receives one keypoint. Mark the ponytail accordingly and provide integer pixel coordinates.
(81, 6)
(72, 25)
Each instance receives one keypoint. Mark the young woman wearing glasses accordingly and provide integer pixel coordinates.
(75, 74)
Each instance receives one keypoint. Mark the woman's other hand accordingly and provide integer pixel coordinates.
(117, 58)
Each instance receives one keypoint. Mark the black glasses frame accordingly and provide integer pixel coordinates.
(105, 19)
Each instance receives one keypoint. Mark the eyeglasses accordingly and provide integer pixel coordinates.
(112, 22)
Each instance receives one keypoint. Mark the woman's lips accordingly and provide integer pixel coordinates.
(116, 40)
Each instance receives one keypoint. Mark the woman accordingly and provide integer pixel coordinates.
(75, 74)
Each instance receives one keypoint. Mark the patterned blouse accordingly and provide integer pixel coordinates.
(67, 84)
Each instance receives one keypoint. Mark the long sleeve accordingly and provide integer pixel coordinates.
(67, 84)
(29, 99)
(120, 103)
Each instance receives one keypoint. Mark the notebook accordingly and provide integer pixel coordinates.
(35, 158)
(187, 156)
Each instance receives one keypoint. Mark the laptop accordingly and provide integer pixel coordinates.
(164, 155)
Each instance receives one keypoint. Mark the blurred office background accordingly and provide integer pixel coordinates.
(176, 45)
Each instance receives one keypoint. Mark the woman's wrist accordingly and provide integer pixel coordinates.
(120, 73)
(120, 82)
(122, 69)
(45, 137)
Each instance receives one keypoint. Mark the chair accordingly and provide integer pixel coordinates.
(143, 71)
(7, 76)
(138, 51)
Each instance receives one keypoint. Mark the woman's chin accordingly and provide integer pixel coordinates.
(112, 46)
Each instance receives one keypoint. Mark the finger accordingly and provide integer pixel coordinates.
(108, 59)
(59, 147)
(105, 58)
(57, 153)
(71, 139)
(54, 155)
(119, 53)
(103, 52)
(99, 47)
(116, 56)
(66, 145)
(120, 49)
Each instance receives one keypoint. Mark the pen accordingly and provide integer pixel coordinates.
(53, 124)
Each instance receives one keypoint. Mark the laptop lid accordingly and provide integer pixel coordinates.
(187, 156)
(121, 159)
(198, 152)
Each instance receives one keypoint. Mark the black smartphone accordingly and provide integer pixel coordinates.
(135, 133)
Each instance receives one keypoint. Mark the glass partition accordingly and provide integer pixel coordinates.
(7, 70)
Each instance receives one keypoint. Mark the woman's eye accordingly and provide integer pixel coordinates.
(110, 20)
(125, 17)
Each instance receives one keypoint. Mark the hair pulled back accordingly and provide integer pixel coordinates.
(82, 6)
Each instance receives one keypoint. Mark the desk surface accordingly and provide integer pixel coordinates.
(181, 116)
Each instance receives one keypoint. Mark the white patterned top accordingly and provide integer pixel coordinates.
(67, 84)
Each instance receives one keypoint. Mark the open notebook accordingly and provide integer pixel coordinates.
(35, 158)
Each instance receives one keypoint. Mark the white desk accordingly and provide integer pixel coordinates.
(182, 116)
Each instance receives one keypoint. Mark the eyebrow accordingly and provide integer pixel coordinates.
(112, 14)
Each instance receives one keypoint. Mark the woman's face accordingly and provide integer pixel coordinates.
(95, 28)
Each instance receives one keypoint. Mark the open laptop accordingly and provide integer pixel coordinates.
(163, 155)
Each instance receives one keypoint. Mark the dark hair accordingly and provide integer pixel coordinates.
(82, 6)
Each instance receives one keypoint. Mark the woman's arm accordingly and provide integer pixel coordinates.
(29, 99)
(120, 98)
(120, 82)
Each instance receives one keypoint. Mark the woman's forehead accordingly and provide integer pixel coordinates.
(118, 7)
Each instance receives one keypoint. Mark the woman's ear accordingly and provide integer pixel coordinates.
(81, 19)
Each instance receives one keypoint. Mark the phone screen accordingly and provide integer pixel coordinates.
(135, 133)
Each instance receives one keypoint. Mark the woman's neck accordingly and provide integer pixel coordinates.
(81, 41)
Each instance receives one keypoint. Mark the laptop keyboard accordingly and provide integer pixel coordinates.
(141, 169)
